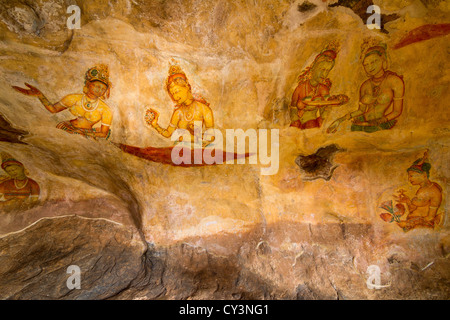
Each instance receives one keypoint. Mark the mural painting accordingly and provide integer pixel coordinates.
(88, 107)
(353, 91)
(422, 211)
(17, 190)
(192, 114)
(381, 96)
(311, 99)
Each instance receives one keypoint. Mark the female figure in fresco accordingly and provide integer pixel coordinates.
(190, 110)
(88, 107)
(17, 188)
(311, 99)
(423, 207)
(381, 96)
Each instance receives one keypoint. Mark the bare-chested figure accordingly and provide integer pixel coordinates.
(423, 207)
(381, 95)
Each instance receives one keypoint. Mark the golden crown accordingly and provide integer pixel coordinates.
(98, 73)
(175, 71)
(372, 44)
(174, 67)
(334, 45)
(7, 160)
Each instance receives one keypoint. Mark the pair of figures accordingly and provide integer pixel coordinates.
(90, 107)
(381, 95)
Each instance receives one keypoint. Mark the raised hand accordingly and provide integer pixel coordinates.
(151, 117)
(342, 98)
(334, 126)
(32, 91)
(402, 197)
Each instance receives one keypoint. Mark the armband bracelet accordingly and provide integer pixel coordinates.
(401, 98)
(44, 101)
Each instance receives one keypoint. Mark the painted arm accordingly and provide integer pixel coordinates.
(105, 124)
(351, 115)
(398, 87)
(154, 123)
(208, 137)
(293, 109)
(35, 92)
(361, 107)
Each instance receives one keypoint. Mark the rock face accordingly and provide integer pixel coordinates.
(35, 261)
(354, 209)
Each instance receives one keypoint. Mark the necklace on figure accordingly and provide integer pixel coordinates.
(89, 105)
(376, 84)
(190, 115)
(23, 185)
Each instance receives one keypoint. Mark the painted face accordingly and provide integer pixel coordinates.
(321, 70)
(179, 93)
(416, 178)
(15, 171)
(373, 64)
(97, 88)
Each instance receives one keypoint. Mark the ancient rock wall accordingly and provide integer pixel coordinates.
(139, 226)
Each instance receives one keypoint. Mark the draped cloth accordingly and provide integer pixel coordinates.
(164, 155)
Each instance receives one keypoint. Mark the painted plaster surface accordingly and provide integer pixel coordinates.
(362, 122)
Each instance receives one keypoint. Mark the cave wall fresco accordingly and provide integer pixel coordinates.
(331, 52)
(248, 67)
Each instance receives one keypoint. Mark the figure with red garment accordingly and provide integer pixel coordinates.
(311, 100)
(17, 189)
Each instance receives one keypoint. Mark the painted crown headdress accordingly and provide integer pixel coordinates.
(175, 72)
(8, 160)
(98, 73)
(421, 165)
(371, 45)
(328, 54)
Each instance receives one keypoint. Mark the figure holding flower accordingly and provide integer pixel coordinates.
(423, 207)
